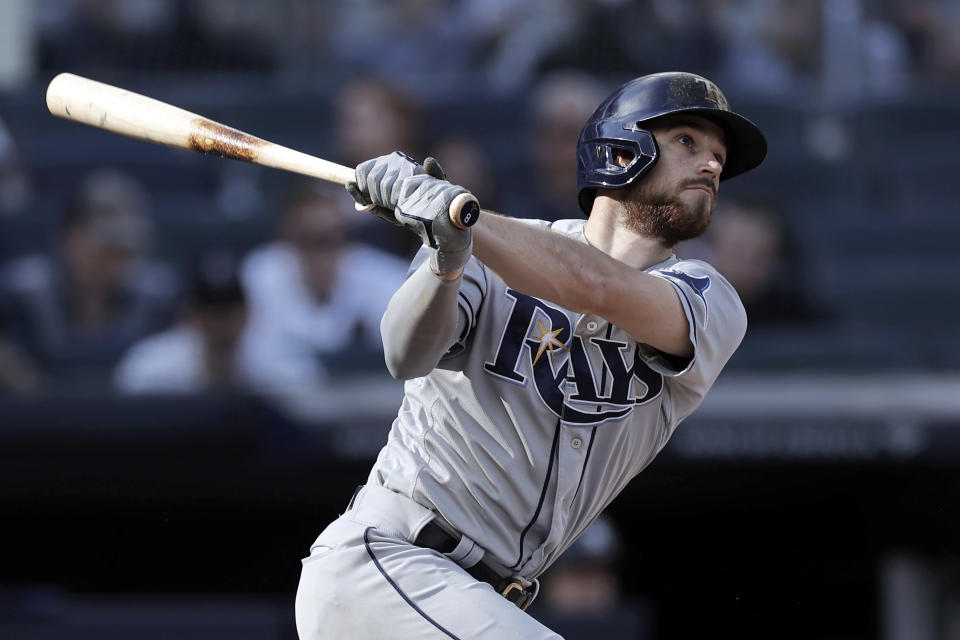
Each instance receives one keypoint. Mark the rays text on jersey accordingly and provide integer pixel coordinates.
(628, 384)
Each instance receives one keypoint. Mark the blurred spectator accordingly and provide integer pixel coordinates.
(21, 228)
(18, 373)
(749, 244)
(315, 297)
(372, 117)
(102, 37)
(580, 595)
(408, 40)
(769, 46)
(202, 352)
(584, 578)
(75, 312)
(98, 36)
(515, 37)
(251, 34)
(15, 185)
(466, 162)
(932, 31)
(559, 106)
(885, 56)
(626, 38)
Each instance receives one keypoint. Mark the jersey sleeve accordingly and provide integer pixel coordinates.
(473, 289)
(717, 323)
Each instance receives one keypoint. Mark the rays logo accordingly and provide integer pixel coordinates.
(698, 285)
(536, 343)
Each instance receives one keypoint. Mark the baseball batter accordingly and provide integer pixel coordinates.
(546, 364)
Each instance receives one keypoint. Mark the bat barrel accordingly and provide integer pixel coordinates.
(118, 110)
(127, 113)
(131, 114)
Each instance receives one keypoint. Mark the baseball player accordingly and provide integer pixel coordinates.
(546, 364)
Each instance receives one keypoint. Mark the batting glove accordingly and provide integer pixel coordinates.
(378, 182)
(423, 206)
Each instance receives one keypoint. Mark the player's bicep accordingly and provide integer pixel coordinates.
(715, 320)
(649, 309)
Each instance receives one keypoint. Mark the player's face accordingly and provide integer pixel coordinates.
(676, 199)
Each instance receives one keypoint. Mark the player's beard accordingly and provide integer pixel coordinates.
(664, 216)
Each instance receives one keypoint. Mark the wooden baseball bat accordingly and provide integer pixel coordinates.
(102, 105)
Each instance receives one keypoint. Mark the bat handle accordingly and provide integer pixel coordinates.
(464, 210)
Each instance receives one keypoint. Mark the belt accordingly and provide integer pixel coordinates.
(432, 536)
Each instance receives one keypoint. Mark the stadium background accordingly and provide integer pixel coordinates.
(814, 494)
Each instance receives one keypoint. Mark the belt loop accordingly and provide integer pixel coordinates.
(392, 514)
(353, 498)
(467, 552)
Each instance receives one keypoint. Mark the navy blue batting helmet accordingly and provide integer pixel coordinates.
(617, 125)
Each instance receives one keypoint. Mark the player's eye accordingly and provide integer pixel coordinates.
(685, 140)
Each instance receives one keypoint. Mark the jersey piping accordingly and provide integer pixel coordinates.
(406, 598)
(543, 493)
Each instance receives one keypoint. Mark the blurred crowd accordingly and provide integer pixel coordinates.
(98, 308)
(96, 292)
(760, 45)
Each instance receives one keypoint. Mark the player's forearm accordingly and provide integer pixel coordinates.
(420, 324)
(576, 276)
(541, 263)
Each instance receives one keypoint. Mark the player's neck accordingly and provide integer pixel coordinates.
(603, 232)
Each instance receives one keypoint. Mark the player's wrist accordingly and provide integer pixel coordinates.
(447, 275)
(450, 260)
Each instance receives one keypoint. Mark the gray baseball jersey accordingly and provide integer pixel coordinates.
(539, 416)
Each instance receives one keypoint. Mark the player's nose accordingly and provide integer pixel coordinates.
(710, 167)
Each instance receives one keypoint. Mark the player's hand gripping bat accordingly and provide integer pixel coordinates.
(102, 105)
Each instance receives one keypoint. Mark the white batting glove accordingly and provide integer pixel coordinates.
(424, 206)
